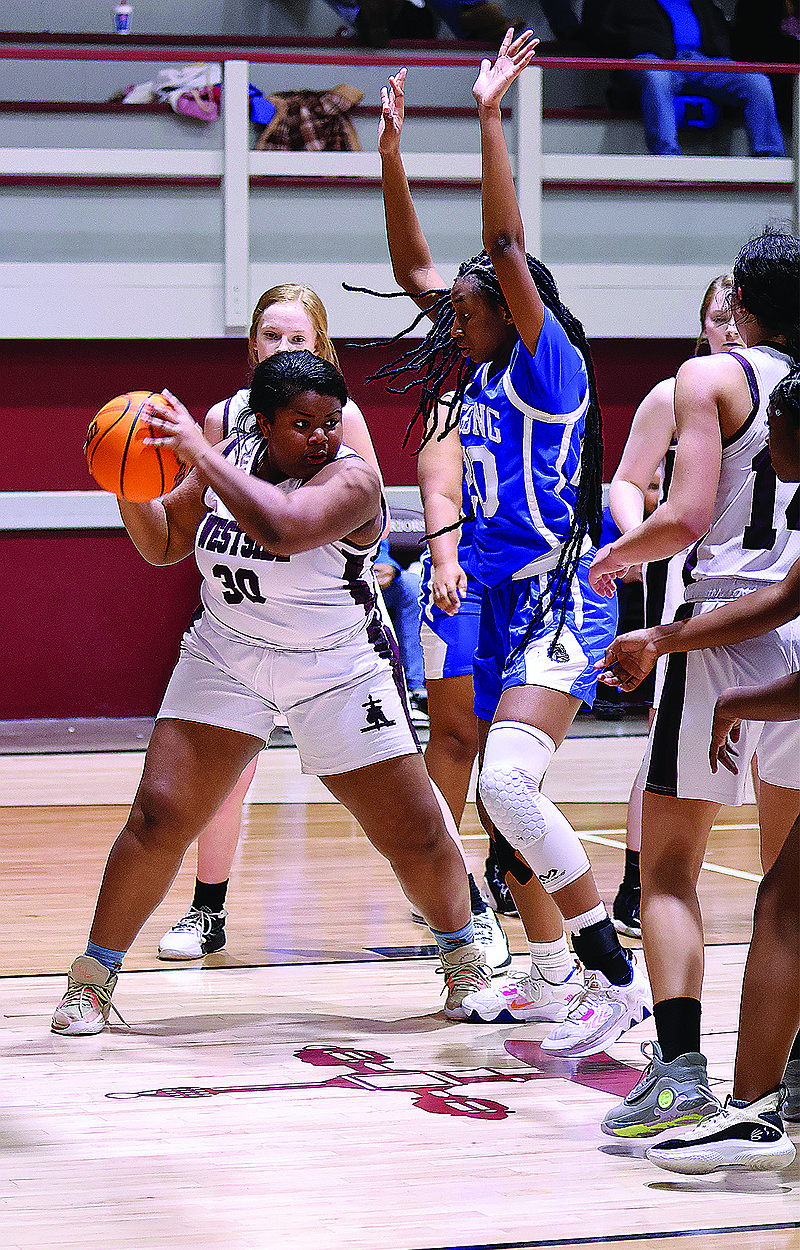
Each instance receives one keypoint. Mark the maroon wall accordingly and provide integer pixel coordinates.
(91, 629)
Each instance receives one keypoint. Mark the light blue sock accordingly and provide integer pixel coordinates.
(451, 941)
(109, 959)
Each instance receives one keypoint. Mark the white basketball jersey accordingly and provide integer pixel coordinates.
(306, 602)
(755, 530)
(233, 407)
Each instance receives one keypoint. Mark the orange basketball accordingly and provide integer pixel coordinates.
(118, 458)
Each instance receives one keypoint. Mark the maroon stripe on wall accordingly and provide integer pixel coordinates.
(51, 391)
(93, 630)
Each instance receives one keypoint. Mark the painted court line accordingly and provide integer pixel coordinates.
(607, 841)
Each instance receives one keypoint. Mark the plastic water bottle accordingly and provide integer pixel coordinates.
(122, 18)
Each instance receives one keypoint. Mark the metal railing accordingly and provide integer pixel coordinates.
(235, 165)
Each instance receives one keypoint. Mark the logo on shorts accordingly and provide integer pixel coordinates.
(376, 717)
(559, 653)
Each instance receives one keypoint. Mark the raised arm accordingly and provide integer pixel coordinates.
(341, 500)
(650, 435)
(503, 235)
(700, 402)
(440, 471)
(412, 263)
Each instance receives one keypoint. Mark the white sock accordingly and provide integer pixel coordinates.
(551, 961)
(586, 918)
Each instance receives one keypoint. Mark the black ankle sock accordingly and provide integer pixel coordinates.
(598, 947)
(210, 897)
(678, 1027)
(794, 1053)
(476, 903)
(631, 877)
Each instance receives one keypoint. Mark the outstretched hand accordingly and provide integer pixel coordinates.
(629, 659)
(392, 112)
(494, 80)
(725, 732)
(171, 425)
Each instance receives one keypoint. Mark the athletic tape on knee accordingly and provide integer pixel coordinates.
(514, 762)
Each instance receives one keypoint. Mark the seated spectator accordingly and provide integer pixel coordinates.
(685, 30)
(564, 21)
(376, 22)
(769, 30)
(484, 21)
(379, 21)
(400, 588)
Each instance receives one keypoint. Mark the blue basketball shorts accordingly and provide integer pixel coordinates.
(502, 662)
(448, 642)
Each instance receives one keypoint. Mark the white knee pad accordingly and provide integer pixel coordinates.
(514, 762)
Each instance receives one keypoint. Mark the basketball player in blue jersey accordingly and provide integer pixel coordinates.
(530, 427)
(746, 526)
(284, 522)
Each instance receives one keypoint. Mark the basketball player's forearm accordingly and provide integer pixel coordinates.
(261, 510)
(502, 221)
(657, 538)
(747, 617)
(779, 700)
(626, 501)
(408, 248)
(147, 528)
(442, 512)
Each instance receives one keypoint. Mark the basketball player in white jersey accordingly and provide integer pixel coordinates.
(289, 317)
(284, 522)
(649, 454)
(725, 496)
(747, 1132)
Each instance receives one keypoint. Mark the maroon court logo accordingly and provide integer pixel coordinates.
(438, 1091)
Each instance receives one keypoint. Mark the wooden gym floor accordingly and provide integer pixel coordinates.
(302, 1090)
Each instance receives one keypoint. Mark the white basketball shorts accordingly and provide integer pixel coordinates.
(676, 762)
(344, 706)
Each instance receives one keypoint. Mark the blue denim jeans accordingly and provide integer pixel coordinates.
(752, 91)
(402, 600)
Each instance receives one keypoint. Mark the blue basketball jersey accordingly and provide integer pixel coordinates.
(521, 431)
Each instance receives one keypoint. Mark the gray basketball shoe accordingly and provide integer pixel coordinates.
(667, 1095)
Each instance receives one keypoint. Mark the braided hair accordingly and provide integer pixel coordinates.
(431, 365)
(785, 398)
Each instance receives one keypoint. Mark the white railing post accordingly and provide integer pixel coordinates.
(529, 155)
(796, 152)
(236, 193)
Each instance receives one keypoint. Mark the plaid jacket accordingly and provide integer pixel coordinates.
(312, 121)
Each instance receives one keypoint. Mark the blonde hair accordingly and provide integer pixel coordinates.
(293, 293)
(723, 283)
